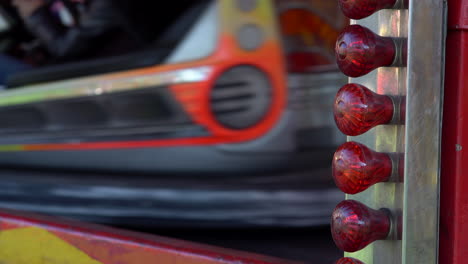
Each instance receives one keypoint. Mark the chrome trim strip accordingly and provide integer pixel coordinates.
(99, 85)
(426, 52)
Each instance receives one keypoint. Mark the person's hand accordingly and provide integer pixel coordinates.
(27, 7)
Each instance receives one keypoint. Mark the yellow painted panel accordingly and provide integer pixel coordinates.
(33, 245)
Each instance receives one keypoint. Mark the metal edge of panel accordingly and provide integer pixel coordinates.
(91, 86)
(388, 138)
(426, 51)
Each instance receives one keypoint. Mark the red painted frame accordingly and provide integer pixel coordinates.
(453, 240)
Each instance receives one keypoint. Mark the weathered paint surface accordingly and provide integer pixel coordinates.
(30, 239)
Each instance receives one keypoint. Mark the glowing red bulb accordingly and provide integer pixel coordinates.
(349, 261)
(358, 9)
(357, 109)
(356, 167)
(354, 225)
(360, 51)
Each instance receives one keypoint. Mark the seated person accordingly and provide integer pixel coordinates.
(97, 31)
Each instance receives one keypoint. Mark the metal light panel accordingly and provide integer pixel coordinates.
(414, 198)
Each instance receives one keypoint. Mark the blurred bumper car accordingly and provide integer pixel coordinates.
(224, 119)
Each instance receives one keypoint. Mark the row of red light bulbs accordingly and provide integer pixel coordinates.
(357, 110)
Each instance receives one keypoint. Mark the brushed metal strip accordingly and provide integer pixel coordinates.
(426, 51)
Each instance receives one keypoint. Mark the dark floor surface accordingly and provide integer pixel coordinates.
(313, 245)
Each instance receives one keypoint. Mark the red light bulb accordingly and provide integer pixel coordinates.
(349, 261)
(360, 51)
(354, 225)
(356, 167)
(357, 109)
(358, 9)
